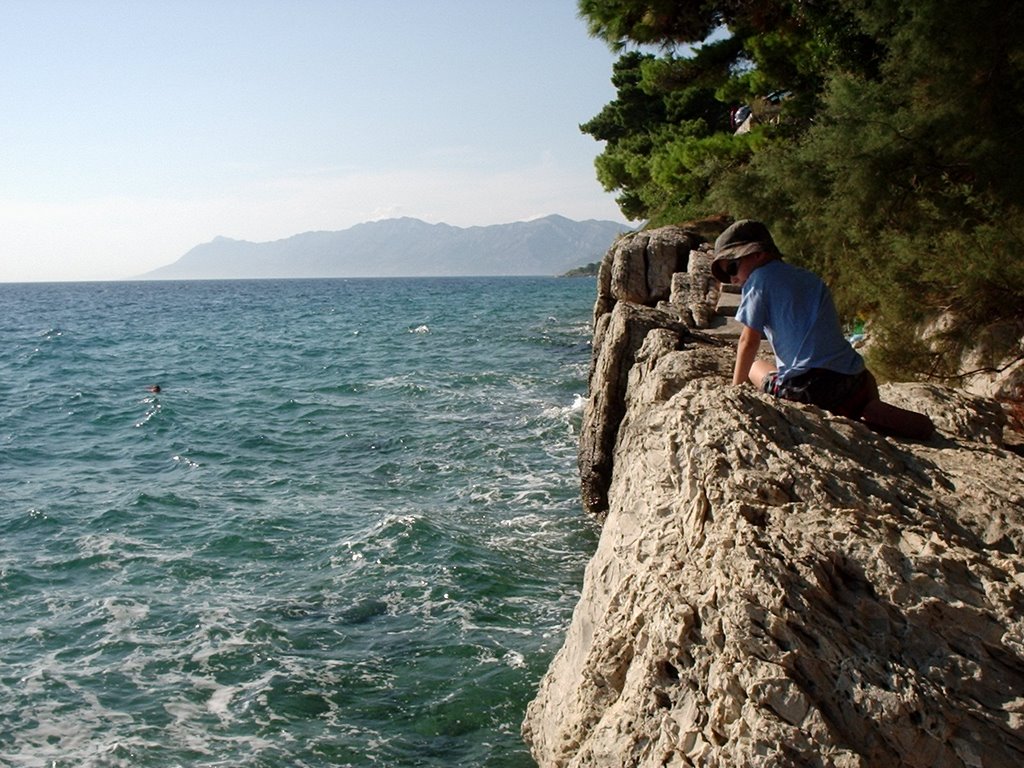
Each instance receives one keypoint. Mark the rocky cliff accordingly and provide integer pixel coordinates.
(774, 585)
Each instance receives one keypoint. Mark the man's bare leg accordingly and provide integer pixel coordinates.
(898, 422)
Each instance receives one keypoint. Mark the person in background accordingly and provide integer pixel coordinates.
(793, 309)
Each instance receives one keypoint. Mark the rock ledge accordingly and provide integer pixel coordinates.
(777, 586)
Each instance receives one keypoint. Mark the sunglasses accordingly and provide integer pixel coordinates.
(732, 268)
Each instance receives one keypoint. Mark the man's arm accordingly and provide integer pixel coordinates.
(746, 352)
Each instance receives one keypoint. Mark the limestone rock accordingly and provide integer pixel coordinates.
(993, 367)
(629, 268)
(668, 252)
(604, 302)
(696, 291)
(617, 338)
(638, 268)
(658, 278)
(1000, 376)
(777, 586)
(957, 414)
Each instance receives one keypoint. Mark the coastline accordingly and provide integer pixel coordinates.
(775, 585)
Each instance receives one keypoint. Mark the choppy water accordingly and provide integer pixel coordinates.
(346, 531)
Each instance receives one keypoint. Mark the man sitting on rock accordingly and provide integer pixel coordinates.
(793, 309)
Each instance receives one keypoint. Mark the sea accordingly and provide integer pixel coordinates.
(346, 531)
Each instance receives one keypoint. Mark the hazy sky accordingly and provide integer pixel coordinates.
(131, 131)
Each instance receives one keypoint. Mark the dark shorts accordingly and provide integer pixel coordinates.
(840, 393)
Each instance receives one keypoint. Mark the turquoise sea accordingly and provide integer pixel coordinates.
(346, 531)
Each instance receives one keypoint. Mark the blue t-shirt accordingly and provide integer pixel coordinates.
(793, 309)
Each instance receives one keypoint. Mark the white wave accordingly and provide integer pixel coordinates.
(152, 411)
(219, 701)
(124, 613)
(514, 659)
(113, 550)
(579, 402)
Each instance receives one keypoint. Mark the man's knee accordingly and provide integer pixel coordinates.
(758, 371)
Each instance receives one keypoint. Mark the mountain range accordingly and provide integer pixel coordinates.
(404, 247)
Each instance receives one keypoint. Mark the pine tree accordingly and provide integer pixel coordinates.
(885, 157)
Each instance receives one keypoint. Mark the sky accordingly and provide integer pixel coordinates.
(133, 130)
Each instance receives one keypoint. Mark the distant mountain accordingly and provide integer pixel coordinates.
(404, 248)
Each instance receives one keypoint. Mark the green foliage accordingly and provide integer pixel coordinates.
(688, 165)
(650, 21)
(587, 270)
(969, 276)
(891, 164)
